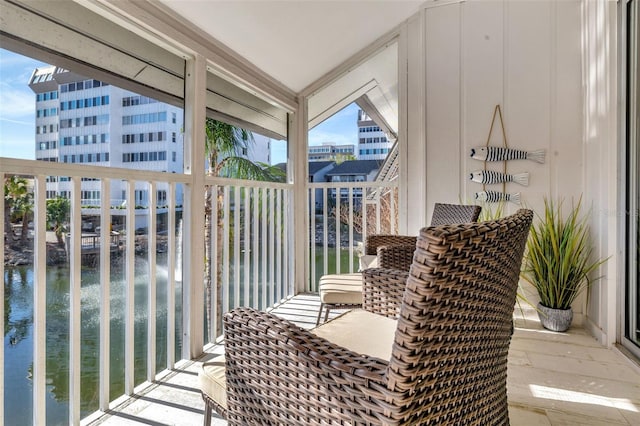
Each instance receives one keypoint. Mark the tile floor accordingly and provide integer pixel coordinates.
(553, 379)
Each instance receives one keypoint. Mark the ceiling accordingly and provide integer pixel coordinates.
(295, 41)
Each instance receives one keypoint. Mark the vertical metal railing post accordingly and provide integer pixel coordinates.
(152, 284)
(255, 199)
(75, 308)
(237, 225)
(129, 285)
(264, 223)
(246, 256)
(225, 251)
(171, 276)
(105, 297)
(278, 242)
(39, 302)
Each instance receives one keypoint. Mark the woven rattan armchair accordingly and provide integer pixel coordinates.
(448, 361)
(396, 251)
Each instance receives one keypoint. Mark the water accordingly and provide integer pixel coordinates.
(18, 336)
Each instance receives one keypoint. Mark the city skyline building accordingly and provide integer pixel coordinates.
(373, 143)
(330, 151)
(87, 121)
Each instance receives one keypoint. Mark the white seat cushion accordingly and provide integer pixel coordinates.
(362, 332)
(357, 330)
(341, 288)
(213, 382)
(368, 261)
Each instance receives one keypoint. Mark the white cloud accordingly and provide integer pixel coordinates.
(16, 104)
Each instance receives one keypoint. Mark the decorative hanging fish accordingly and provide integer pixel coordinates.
(495, 196)
(497, 153)
(490, 177)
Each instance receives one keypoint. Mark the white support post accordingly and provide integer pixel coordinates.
(129, 285)
(256, 271)
(272, 247)
(172, 248)
(297, 164)
(39, 301)
(152, 284)
(193, 255)
(264, 223)
(105, 296)
(278, 241)
(246, 256)
(236, 247)
(213, 266)
(75, 309)
(225, 252)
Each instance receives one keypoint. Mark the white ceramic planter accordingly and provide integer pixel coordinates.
(555, 319)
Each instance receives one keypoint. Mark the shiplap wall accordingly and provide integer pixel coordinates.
(529, 57)
(523, 56)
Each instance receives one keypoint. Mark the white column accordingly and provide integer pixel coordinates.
(297, 166)
(193, 255)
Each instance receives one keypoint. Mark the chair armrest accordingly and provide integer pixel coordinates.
(382, 291)
(396, 256)
(277, 371)
(376, 240)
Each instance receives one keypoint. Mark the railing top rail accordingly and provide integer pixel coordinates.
(320, 185)
(212, 180)
(47, 168)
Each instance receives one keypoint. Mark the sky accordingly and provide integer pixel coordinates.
(17, 106)
(17, 114)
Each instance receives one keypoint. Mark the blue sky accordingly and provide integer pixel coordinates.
(340, 129)
(17, 106)
(17, 114)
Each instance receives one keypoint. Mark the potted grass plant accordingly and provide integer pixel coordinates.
(558, 263)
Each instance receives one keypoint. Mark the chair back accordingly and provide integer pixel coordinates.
(446, 214)
(378, 240)
(449, 358)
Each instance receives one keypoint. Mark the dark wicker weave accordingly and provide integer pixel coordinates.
(396, 251)
(446, 214)
(449, 359)
(381, 295)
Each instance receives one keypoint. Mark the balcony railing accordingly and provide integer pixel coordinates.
(131, 291)
(251, 246)
(342, 215)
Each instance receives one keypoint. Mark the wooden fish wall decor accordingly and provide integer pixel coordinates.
(490, 177)
(495, 196)
(496, 153)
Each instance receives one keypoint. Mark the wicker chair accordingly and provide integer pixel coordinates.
(448, 362)
(396, 251)
(392, 252)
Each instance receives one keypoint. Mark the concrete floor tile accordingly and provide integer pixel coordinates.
(527, 416)
(559, 418)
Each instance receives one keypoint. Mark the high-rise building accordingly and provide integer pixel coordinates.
(86, 121)
(329, 151)
(373, 143)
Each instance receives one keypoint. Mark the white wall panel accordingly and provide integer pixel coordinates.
(529, 55)
(482, 69)
(443, 99)
(524, 56)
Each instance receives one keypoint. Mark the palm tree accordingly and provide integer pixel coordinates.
(18, 200)
(57, 215)
(225, 146)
